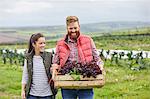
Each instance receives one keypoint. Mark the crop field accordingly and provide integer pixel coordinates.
(125, 78)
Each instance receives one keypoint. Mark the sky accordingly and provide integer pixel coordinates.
(54, 12)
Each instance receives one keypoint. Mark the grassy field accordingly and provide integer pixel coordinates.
(121, 83)
(49, 44)
(105, 42)
(125, 40)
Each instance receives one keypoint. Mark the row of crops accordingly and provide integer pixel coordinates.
(135, 61)
(11, 57)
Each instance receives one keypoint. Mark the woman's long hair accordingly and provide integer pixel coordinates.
(33, 39)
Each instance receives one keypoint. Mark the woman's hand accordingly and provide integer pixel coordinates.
(23, 95)
(55, 67)
(54, 70)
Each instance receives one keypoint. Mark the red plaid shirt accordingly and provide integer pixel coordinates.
(74, 53)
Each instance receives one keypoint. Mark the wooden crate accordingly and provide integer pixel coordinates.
(67, 81)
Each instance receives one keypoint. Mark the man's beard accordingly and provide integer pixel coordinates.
(74, 37)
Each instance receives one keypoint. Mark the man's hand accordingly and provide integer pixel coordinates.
(101, 67)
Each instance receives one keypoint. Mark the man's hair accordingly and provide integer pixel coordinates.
(71, 19)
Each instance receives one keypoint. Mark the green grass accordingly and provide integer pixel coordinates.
(124, 83)
(10, 83)
(121, 42)
(121, 82)
(132, 31)
(125, 40)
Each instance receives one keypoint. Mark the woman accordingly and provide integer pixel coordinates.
(36, 78)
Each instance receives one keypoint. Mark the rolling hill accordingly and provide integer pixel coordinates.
(11, 35)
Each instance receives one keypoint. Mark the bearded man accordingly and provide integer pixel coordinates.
(79, 48)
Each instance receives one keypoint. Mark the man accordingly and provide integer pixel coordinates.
(79, 48)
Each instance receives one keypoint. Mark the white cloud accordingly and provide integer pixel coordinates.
(36, 12)
(28, 7)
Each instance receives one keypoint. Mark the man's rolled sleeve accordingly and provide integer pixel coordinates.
(56, 57)
(95, 54)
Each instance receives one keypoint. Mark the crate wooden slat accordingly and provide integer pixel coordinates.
(79, 84)
(67, 81)
(70, 77)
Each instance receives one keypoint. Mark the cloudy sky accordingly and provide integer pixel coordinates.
(54, 12)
